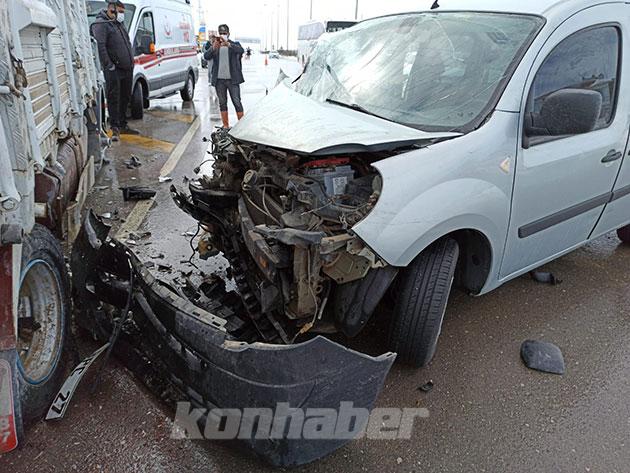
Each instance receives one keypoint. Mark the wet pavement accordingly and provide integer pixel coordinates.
(487, 411)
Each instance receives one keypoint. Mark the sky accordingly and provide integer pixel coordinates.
(259, 18)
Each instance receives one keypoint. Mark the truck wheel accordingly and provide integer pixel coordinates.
(624, 234)
(43, 322)
(188, 92)
(137, 102)
(424, 288)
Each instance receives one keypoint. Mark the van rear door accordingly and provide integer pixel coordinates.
(176, 43)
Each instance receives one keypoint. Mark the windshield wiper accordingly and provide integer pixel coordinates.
(359, 108)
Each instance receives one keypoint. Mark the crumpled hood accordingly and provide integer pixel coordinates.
(288, 120)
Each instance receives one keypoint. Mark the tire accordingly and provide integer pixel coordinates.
(188, 92)
(137, 102)
(624, 234)
(423, 291)
(44, 319)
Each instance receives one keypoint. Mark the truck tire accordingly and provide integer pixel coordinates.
(624, 234)
(423, 290)
(188, 92)
(44, 320)
(137, 102)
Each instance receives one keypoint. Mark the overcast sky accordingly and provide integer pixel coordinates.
(259, 18)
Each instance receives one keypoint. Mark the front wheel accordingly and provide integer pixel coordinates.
(137, 102)
(188, 92)
(43, 322)
(424, 288)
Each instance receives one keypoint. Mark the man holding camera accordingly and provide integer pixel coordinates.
(227, 72)
(117, 60)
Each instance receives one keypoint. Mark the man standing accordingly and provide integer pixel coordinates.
(117, 60)
(227, 72)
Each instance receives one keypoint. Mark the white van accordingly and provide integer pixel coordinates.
(163, 37)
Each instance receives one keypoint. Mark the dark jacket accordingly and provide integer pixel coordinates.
(236, 68)
(114, 46)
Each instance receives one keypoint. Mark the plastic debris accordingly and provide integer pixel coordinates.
(426, 387)
(133, 162)
(542, 356)
(137, 193)
(545, 277)
(165, 179)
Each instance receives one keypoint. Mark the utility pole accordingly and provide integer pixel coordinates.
(277, 25)
(356, 9)
(288, 24)
(311, 14)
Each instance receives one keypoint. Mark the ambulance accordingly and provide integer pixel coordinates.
(163, 37)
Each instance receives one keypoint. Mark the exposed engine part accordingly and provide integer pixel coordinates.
(284, 223)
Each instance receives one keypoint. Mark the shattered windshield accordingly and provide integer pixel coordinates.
(434, 71)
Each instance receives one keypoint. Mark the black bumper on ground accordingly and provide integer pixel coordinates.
(194, 349)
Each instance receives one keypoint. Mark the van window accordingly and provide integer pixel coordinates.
(145, 34)
(587, 60)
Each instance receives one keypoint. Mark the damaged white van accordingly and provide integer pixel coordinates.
(416, 151)
(422, 149)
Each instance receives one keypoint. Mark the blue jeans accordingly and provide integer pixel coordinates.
(222, 88)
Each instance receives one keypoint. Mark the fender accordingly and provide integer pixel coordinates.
(461, 184)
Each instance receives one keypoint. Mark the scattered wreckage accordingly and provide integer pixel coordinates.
(336, 187)
(418, 172)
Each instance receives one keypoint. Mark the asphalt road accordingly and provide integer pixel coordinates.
(487, 411)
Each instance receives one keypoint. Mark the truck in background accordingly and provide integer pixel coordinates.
(309, 33)
(51, 144)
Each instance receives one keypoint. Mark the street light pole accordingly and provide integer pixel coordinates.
(311, 15)
(288, 25)
(356, 9)
(277, 25)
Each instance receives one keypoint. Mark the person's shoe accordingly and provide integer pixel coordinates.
(115, 134)
(125, 130)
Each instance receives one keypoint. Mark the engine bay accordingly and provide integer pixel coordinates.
(284, 222)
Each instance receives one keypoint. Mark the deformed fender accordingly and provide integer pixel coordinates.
(225, 373)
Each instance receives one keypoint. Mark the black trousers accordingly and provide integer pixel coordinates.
(222, 88)
(118, 85)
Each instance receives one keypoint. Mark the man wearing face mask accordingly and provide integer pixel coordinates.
(227, 72)
(117, 60)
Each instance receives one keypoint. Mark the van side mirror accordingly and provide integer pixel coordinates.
(145, 45)
(565, 112)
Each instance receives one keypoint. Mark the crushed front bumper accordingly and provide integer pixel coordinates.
(195, 352)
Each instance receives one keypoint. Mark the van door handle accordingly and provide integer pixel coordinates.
(613, 155)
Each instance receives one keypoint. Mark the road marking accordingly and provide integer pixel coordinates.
(172, 116)
(177, 153)
(142, 208)
(146, 142)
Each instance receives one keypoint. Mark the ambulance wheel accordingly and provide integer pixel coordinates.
(43, 323)
(137, 102)
(188, 92)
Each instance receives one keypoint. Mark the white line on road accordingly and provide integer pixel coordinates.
(142, 208)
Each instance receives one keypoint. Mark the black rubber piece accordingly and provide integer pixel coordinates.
(40, 244)
(136, 104)
(624, 234)
(542, 356)
(423, 292)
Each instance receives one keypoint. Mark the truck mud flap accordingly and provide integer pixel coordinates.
(206, 363)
